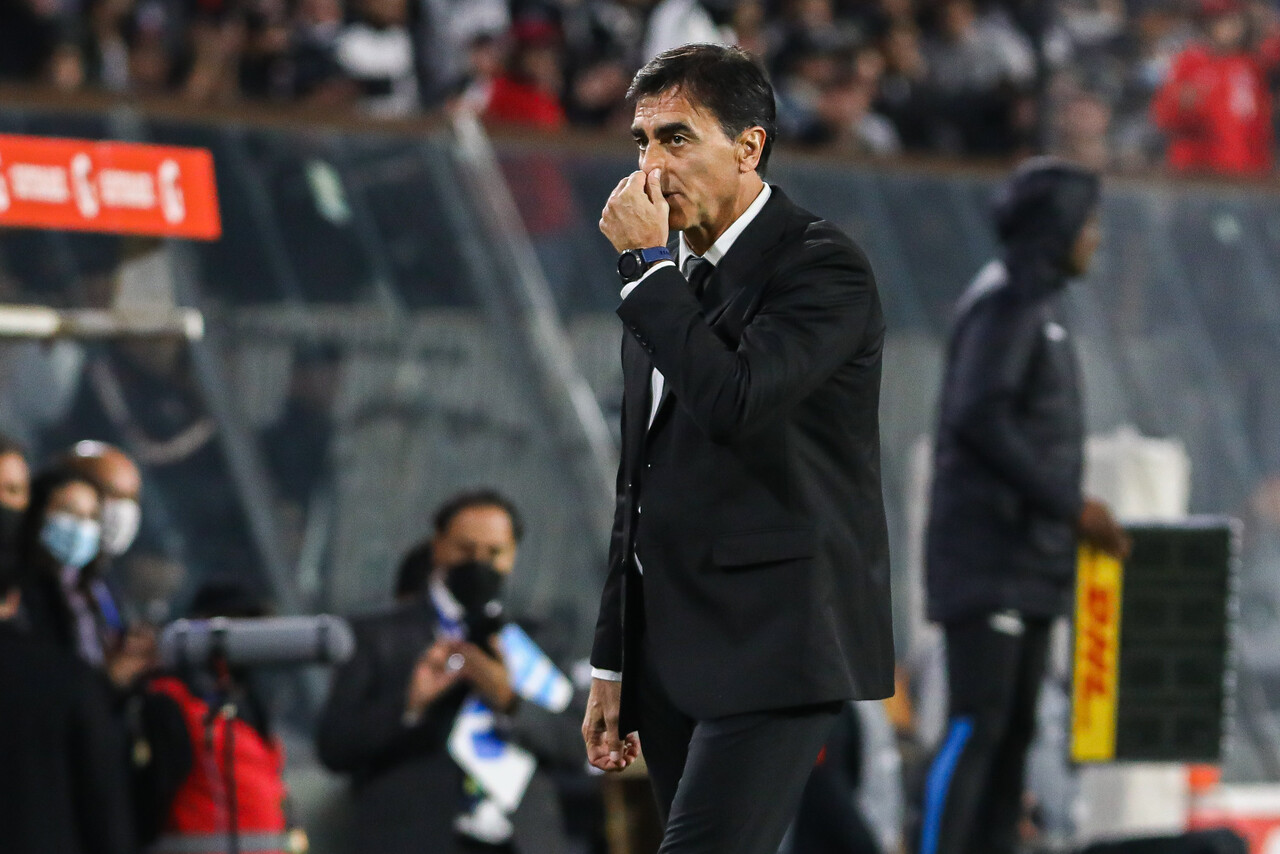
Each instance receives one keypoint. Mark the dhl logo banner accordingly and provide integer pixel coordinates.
(112, 187)
(1097, 657)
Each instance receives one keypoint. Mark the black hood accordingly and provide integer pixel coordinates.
(1039, 212)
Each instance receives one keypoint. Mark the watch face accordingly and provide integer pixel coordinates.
(629, 265)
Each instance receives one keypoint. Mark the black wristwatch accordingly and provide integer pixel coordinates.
(634, 263)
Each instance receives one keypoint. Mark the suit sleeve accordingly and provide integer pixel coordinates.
(991, 354)
(814, 315)
(606, 650)
(363, 718)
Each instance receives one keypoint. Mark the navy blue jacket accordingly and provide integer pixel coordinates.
(1008, 458)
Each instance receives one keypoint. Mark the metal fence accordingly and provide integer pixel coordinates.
(383, 332)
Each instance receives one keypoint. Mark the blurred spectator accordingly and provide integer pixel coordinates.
(58, 550)
(1216, 104)
(603, 41)
(528, 91)
(982, 69)
(121, 484)
(233, 785)
(15, 477)
(377, 52)
(977, 54)
(105, 51)
(807, 67)
(677, 22)
(905, 97)
(315, 73)
(152, 59)
(264, 61)
(427, 669)
(1083, 125)
(448, 31)
(29, 31)
(62, 786)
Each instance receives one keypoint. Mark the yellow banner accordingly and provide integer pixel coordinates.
(1097, 657)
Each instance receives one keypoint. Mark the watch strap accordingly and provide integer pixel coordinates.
(654, 254)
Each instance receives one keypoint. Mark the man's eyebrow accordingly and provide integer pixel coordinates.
(663, 131)
(673, 128)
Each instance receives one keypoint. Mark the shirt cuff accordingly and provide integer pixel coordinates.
(631, 287)
(606, 675)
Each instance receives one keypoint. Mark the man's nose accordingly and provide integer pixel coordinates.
(652, 158)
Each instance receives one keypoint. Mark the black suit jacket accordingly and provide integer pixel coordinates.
(754, 499)
(406, 787)
(62, 761)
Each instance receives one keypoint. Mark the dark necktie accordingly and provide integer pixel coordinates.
(697, 270)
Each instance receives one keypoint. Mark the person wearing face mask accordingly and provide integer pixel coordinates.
(58, 544)
(121, 485)
(66, 602)
(130, 650)
(427, 678)
(61, 780)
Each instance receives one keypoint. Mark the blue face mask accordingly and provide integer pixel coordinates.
(71, 541)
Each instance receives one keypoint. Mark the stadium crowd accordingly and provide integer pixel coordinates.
(1116, 84)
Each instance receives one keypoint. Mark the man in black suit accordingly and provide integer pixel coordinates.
(393, 706)
(62, 758)
(748, 587)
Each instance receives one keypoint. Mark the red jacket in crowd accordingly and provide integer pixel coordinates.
(1216, 109)
(200, 811)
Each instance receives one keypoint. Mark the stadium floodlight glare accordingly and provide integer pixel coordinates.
(42, 322)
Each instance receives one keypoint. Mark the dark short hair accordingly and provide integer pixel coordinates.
(415, 568)
(478, 498)
(724, 80)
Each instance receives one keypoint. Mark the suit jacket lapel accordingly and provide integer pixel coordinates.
(740, 267)
(637, 372)
(673, 244)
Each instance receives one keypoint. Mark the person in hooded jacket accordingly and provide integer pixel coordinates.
(1007, 511)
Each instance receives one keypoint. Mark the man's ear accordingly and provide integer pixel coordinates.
(750, 148)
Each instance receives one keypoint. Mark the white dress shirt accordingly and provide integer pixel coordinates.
(656, 383)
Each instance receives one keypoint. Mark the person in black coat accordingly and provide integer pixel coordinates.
(1006, 510)
(748, 587)
(63, 786)
(392, 707)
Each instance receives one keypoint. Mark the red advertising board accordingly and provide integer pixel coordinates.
(113, 187)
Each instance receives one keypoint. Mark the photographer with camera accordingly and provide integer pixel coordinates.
(221, 769)
(445, 750)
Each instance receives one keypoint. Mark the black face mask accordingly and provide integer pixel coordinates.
(477, 587)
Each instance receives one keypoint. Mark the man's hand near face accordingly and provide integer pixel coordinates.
(605, 750)
(635, 217)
